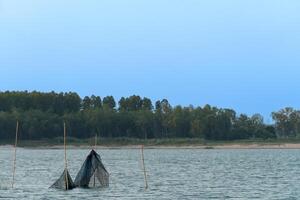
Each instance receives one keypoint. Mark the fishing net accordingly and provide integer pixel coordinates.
(92, 172)
(64, 182)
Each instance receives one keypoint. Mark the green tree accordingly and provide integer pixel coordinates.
(109, 102)
(286, 122)
(86, 103)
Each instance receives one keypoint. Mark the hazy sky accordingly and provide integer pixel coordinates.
(238, 54)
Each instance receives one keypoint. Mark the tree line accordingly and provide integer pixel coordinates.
(41, 115)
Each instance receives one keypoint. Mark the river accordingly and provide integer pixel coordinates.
(172, 174)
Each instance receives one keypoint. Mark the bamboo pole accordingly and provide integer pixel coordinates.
(144, 168)
(95, 142)
(66, 163)
(15, 155)
(95, 150)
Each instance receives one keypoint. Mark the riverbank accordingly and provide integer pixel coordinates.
(186, 143)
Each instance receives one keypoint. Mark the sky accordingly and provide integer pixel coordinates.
(235, 54)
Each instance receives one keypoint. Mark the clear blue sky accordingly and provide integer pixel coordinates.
(238, 54)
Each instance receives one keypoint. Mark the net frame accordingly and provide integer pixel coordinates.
(64, 182)
(92, 174)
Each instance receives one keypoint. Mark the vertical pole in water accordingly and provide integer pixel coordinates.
(15, 155)
(66, 164)
(95, 150)
(144, 168)
(95, 142)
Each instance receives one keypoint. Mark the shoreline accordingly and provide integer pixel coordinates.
(166, 143)
(184, 146)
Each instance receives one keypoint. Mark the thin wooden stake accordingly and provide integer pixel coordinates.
(15, 155)
(95, 150)
(66, 163)
(144, 168)
(95, 142)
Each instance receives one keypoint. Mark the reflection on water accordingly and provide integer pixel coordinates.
(172, 174)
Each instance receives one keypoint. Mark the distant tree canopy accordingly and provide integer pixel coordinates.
(41, 115)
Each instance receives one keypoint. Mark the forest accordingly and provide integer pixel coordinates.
(41, 116)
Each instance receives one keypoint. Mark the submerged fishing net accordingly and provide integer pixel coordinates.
(92, 172)
(64, 182)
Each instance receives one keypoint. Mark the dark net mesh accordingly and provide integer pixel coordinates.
(92, 172)
(64, 182)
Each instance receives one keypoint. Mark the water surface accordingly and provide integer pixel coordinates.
(172, 174)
